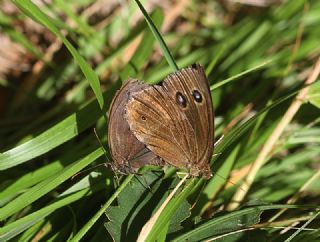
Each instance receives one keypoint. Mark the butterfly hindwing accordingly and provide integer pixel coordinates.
(128, 153)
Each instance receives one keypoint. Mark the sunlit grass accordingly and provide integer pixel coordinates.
(257, 60)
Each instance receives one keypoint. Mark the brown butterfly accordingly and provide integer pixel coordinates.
(174, 120)
(128, 153)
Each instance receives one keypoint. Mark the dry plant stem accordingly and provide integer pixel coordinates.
(302, 227)
(149, 225)
(297, 195)
(227, 234)
(282, 224)
(267, 148)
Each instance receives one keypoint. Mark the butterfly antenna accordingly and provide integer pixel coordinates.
(91, 168)
(229, 181)
(217, 154)
(117, 179)
(202, 188)
(88, 169)
(198, 196)
(99, 140)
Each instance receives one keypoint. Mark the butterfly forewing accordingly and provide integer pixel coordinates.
(175, 120)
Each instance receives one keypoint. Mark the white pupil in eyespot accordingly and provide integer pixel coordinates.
(197, 96)
(181, 100)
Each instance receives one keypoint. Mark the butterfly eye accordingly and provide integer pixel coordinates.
(143, 118)
(181, 100)
(197, 96)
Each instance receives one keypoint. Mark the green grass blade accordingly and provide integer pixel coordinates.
(157, 35)
(230, 222)
(11, 230)
(47, 185)
(224, 82)
(101, 211)
(51, 138)
(169, 210)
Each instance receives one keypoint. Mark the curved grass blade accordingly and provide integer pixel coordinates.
(257, 67)
(58, 134)
(230, 222)
(55, 136)
(47, 185)
(34, 12)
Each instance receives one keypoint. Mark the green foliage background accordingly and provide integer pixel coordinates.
(256, 59)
